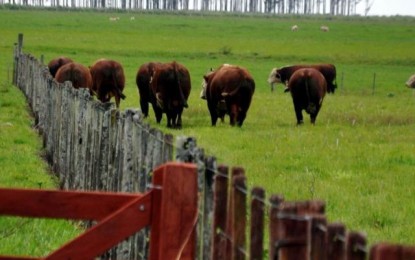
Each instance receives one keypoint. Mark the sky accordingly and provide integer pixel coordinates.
(388, 7)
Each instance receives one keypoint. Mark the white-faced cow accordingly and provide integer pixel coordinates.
(308, 88)
(108, 80)
(410, 83)
(170, 86)
(283, 75)
(229, 90)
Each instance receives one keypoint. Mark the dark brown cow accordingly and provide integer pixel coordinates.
(229, 90)
(56, 63)
(308, 88)
(77, 73)
(143, 79)
(108, 80)
(170, 87)
(284, 74)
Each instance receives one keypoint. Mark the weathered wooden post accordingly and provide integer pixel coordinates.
(17, 51)
(187, 151)
(336, 241)
(257, 223)
(356, 246)
(238, 221)
(220, 213)
(294, 233)
(274, 227)
(236, 171)
(318, 237)
(388, 251)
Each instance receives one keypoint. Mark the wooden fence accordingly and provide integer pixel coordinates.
(169, 209)
(93, 146)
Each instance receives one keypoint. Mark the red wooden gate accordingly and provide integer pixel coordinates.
(169, 209)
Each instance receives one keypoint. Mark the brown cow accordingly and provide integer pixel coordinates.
(77, 73)
(229, 90)
(143, 79)
(170, 87)
(411, 82)
(56, 63)
(282, 75)
(308, 88)
(108, 80)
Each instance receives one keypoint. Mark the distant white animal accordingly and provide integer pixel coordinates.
(132, 18)
(324, 28)
(113, 19)
(294, 27)
(411, 82)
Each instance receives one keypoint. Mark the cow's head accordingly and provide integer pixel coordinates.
(411, 82)
(274, 77)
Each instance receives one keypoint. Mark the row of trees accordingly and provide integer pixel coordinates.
(332, 7)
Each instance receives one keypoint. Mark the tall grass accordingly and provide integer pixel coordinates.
(359, 157)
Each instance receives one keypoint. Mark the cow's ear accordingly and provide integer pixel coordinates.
(205, 78)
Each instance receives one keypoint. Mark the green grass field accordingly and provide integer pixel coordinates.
(359, 157)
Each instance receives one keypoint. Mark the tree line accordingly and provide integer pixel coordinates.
(331, 7)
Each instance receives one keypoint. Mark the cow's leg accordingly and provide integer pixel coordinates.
(213, 114)
(179, 119)
(298, 113)
(158, 112)
(117, 101)
(144, 106)
(313, 116)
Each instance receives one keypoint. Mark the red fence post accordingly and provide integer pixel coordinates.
(336, 241)
(236, 171)
(257, 223)
(174, 212)
(318, 237)
(387, 251)
(356, 246)
(275, 201)
(294, 232)
(220, 213)
(238, 216)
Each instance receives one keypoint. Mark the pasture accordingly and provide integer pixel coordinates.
(360, 155)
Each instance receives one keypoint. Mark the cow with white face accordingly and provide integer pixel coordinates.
(204, 83)
(411, 82)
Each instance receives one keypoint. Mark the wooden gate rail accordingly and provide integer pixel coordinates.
(169, 208)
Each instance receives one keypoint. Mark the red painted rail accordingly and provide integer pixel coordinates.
(170, 209)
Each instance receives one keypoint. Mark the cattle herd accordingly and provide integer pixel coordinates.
(228, 89)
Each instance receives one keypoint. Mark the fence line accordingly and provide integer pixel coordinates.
(93, 146)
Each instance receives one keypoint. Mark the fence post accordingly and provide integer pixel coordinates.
(238, 215)
(257, 223)
(389, 251)
(275, 201)
(318, 237)
(187, 151)
(294, 233)
(356, 246)
(336, 241)
(220, 201)
(17, 52)
(173, 223)
(230, 217)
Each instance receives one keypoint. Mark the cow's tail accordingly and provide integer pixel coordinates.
(117, 89)
(333, 84)
(177, 79)
(311, 107)
(246, 85)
